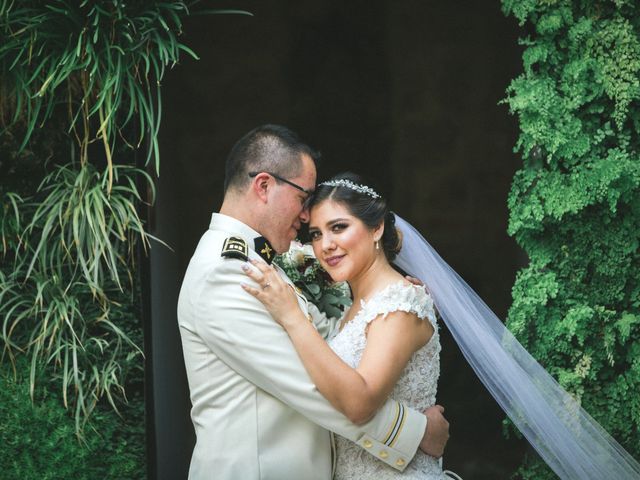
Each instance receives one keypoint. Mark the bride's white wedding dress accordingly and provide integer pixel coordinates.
(416, 388)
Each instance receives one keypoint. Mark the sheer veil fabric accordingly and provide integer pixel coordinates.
(572, 443)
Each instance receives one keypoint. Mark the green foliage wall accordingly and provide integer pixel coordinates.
(79, 98)
(575, 205)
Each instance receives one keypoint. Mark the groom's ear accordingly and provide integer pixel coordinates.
(260, 185)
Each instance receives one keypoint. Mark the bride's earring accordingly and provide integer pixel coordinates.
(377, 245)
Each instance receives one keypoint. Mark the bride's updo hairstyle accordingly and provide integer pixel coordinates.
(362, 203)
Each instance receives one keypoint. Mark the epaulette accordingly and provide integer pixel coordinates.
(264, 249)
(235, 247)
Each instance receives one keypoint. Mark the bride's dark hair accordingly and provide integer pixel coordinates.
(371, 211)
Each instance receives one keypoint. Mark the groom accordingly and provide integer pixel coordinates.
(256, 413)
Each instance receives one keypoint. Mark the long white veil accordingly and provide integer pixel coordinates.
(572, 443)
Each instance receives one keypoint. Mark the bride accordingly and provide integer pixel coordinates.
(387, 343)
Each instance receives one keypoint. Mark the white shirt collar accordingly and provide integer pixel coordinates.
(233, 226)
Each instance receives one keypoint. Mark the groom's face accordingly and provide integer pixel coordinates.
(287, 211)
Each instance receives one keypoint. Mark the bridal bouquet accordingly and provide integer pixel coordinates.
(303, 269)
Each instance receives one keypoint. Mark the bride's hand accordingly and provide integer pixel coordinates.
(275, 294)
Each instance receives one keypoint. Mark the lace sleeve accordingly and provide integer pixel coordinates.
(403, 297)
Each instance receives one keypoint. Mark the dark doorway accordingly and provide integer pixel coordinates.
(406, 93)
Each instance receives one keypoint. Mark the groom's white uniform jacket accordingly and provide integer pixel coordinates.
(256, 412)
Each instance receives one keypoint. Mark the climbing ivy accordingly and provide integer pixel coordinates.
(575, 205)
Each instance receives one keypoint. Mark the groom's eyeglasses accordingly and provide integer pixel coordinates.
(279, 178)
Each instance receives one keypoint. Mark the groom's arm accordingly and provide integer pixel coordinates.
(239, 330)
(324, 325)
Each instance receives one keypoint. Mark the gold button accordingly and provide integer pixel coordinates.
(368, 444)
(400, 462)
(383, 454)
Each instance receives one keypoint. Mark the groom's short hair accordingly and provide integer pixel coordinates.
(268, 148)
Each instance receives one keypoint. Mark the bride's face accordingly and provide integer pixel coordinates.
(341, 242)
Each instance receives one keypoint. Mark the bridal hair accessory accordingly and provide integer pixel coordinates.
(572, 443)
(343, 182)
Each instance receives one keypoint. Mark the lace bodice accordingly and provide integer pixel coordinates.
(416, 388)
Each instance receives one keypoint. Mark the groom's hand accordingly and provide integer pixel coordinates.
(414, 280)
(437, 432)
(417, 281)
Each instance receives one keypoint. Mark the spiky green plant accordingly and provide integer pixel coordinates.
(92, 70)
(103, 60)
(57, 298)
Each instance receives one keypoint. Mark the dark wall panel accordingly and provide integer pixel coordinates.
(404, 92)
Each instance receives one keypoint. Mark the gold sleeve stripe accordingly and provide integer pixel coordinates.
(397, 426)
(394, 424)
(404, 417)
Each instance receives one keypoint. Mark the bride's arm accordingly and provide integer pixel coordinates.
(357, 393)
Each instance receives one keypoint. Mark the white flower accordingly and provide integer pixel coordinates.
(296, 254)
(308, 251)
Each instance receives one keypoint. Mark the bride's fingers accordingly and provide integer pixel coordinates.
(253, 291)
(268, 271)
(263, 293)
(254, 274)
(264, 280)
(263, 267)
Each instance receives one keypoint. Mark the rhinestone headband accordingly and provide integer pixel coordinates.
(342, 182)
